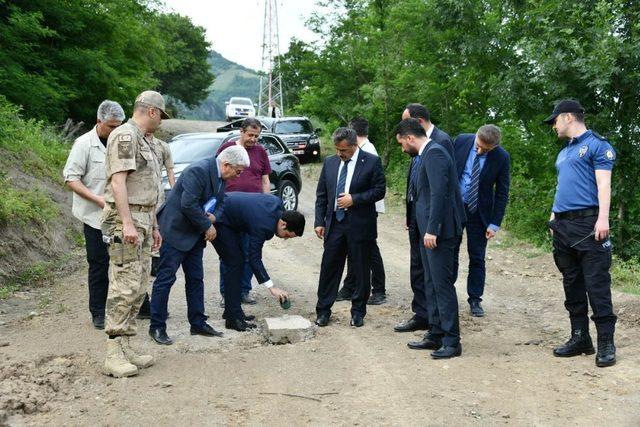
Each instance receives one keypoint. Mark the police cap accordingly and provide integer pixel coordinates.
(564, 106)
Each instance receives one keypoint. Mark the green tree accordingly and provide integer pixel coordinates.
(186, 75)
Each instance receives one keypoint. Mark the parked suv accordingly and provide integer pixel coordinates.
(239, 107)
(285, 178)
(296, 132)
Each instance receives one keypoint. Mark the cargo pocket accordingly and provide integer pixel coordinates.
(121, 254)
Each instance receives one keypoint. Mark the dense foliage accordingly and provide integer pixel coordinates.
(27, 145)
(484, 61)
(60, 59)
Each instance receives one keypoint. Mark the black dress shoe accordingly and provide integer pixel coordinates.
(447, 352)
(476, 309)
(429, 342)
(377, 299)
(323, 320)
(357, 321)
(413, 324)
(344, 295)
(238, 325)
(249, 317)
(160, 336)
(206, 331)
(98, 322)
(579, 343)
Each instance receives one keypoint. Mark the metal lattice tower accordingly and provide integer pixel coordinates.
(270, 82)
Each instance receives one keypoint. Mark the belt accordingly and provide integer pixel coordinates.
(136, 208)
(580, 213)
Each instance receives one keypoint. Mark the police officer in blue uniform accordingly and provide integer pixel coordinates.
(580, 227)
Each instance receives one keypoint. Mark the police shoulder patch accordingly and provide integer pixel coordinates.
(610, 155)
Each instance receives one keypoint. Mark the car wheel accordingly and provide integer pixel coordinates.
(289, 195)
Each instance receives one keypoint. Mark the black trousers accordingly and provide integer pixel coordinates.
(477, 249)
(337, 244)
(377, 273)
(228, 245)
(442, 300)
(416, 269)
(98, 278)
(585, 272)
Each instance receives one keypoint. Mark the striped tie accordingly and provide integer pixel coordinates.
(472, 197)
(415, 165)
(342, 181)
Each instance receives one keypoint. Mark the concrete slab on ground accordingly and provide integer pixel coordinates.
(288, 329)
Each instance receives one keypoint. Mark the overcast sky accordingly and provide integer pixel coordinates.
(235, 27)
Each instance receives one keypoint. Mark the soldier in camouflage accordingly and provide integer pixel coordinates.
(131, 196)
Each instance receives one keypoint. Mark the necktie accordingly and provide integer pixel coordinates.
(415, 165)
(342, 181)
(472, 197)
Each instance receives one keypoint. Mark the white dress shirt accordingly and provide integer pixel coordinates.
(368, 147)
(351, 166)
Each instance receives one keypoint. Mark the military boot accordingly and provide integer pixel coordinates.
(579, 343)
(606, 355)
(140, 360)
(116, 364)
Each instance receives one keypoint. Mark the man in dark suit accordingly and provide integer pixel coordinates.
(440, 217)
(416, 274)
(350, 184)
(483, 173)
(186, 228)
(260, 216)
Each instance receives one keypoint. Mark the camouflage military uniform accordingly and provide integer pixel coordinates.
(129, 265)
(163, 153)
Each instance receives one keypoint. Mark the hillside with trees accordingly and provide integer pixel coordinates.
(231, 80)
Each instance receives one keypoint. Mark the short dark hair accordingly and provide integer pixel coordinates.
(360, 125)
(490, 134)
(295, 221)
(418, 111)
(250, 122)
(410, 127)
(345, 134)
(578, 116)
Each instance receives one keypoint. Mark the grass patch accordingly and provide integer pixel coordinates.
(626, 275)
(39, 274)
(77, 237)
(37, 148)
(24, 206)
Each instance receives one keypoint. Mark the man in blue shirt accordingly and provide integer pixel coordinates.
(483, 173)
(580, 227)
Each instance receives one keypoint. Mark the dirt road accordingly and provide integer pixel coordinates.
(50, 356)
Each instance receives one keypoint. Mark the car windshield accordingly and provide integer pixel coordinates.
(293, 126)
(241, 101)
(191, 149)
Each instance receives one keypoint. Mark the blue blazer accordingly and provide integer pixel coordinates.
(439, 209)
(493, 191)
(181, 219)
(441, 137)
(368, 185)
(257, 215)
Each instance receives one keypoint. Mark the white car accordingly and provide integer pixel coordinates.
(238, 108)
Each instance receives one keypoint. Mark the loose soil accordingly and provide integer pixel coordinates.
(50, 355)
